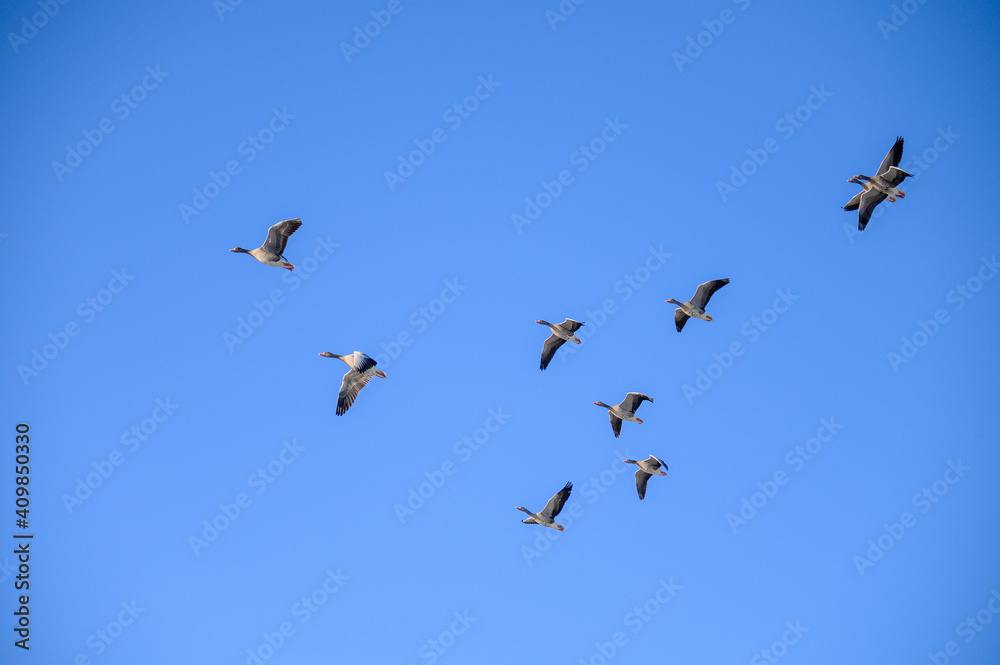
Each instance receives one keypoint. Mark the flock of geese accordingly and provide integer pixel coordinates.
(875, 189)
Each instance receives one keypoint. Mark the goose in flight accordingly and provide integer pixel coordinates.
(362, 370)
(624, 411)
(561, 333)
(270, 253)
(883, 185)
(647, 467)
(552, 508)
(696, 306)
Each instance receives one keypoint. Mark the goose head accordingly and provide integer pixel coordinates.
(673, 302)
(240, 249)
(602, 404)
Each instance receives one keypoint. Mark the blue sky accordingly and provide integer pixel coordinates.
(470, 168)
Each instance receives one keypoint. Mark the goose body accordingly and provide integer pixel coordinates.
(362, 369)
(883, 185)
(624, 411)
(551, 510)
(695, 308)
(272, 251)
(651, 466)
(561, 333)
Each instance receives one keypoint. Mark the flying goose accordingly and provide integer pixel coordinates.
(883, 185)
(624, 411)
(696, 306)
(552, 508)
(270, 253)
(647, 467)
(561, 333)
(362, 370)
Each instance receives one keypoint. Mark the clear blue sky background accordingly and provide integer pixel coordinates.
(335, 506)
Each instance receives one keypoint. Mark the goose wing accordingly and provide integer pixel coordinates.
(570, 325)
(641, 478)
(616, 424)
(350, 387)
(705, 292)
(854, 202)
(869, 200)
(549, 349)
(894, 176)
(655, 463)
(277, 236)
(892, 158)
(680, 318)
(362, 362)
(633, 400)
(556, 503)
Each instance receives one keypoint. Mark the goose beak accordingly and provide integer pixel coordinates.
(709, 318)
(560, 528)
(638, 420)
